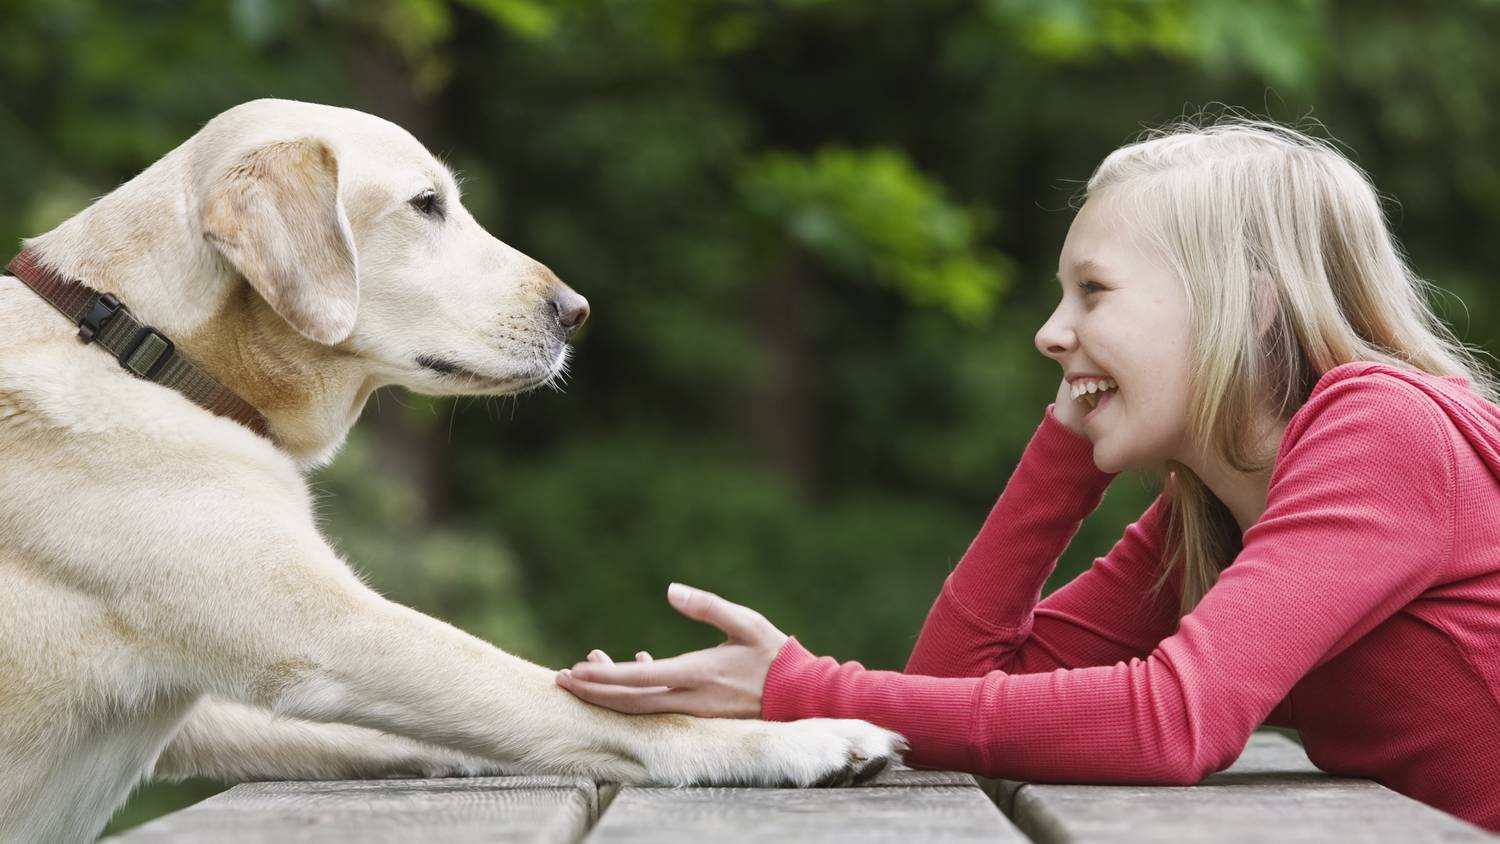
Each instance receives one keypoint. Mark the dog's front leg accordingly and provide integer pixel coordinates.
(349, 656)
(232, 742)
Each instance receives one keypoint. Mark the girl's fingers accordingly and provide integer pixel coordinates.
(601, 658)
(627, 699)
(687, 670)
(738, 622)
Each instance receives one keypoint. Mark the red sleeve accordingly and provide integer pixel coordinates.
(1350, 534)
(983, 619)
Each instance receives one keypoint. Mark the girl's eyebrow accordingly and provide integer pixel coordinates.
(1083, 266)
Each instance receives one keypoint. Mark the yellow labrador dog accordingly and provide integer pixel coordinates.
(168, 607)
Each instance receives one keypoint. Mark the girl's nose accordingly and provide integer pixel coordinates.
(1055, 338)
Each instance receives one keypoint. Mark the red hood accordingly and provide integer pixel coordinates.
(1475, 418)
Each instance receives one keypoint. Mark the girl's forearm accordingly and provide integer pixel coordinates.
(985, 608)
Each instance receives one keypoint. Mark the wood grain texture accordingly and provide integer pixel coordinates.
(1272, 793)
(545, 810)
(899, 806)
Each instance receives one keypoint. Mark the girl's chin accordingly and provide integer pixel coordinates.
(1107, 461)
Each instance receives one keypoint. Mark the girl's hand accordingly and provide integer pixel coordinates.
(1068, 410)
(722, 682)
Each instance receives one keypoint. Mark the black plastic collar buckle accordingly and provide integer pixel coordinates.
(98, 314)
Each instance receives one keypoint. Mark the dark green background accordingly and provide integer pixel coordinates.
(817, 238)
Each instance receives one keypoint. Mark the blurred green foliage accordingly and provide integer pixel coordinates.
(817, 236)
(873, 215)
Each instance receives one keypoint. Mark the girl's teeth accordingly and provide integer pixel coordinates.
(1086, 389)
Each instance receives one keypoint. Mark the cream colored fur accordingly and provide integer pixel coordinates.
(169, 607)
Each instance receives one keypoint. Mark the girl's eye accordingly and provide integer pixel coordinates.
(427, 203)
(1089, 287)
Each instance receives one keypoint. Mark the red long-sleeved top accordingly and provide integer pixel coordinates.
(1363, 611)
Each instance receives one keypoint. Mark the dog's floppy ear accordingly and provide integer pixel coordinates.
(275, 215)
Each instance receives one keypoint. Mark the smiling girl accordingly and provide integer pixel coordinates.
(1324, 556)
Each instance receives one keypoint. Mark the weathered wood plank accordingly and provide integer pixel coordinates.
(546, 810)
(1266, 753)
(899, 806)
(1272, 793)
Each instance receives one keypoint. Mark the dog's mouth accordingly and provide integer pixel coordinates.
(442, 366)
(467, 380)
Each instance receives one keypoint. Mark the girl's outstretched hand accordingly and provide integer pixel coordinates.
(721, 682)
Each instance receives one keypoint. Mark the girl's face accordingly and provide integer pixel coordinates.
(1123, 318)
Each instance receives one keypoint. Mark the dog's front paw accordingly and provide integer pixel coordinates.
(831, 752)
(818, 752)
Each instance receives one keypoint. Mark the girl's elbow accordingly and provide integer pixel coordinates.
(1184, 773)
(1189, 765)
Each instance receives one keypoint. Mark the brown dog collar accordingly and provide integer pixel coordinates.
(141, 349)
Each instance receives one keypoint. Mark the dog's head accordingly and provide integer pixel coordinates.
(354, 234)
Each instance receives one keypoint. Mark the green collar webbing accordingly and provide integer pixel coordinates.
(142, 350)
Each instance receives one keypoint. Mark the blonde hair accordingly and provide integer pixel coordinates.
(1290, 270)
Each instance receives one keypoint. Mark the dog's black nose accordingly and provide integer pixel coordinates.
(571, 309)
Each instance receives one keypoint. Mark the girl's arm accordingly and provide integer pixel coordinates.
(986, 617)
(1104, 616)
(1357, 524)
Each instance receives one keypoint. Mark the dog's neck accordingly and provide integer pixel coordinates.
(310, 394)
(170, 277)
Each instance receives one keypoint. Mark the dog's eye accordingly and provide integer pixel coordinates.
(427, 202)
